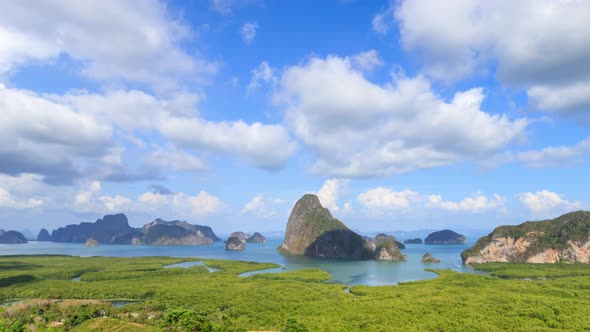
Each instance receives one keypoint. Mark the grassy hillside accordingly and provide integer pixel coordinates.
(516, 298)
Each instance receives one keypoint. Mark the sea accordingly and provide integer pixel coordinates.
(343, 271)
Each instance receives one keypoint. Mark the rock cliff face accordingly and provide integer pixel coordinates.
(91, 243)
(566, 238)
(115, 229)
(12, 237)
(240, 235)
(103, 230)
(235, 243)
(256, 238)
(413, 241)
(43, 235)
(161, 232)
(312, 231)
(386, 248)
(446, 236)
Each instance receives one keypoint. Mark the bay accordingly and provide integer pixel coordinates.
(350, 272)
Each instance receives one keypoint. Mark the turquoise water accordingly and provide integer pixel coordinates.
(351, 272)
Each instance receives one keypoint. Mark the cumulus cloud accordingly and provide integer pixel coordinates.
(382, 21)
(382, 200)
(547, 204)
(262, 145)
(367, 61)
(357, 128)
(330, 192)
(264, 73)
(92, 199)
(7, 200)
(112, 40)
(248, 32)
(454, 37)
(176, 160)
(476, 203)
(260, 206)
(572, 99)
(47, 138)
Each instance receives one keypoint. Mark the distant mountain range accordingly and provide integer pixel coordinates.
(115, 229)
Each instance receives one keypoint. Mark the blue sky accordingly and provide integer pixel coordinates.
(400, 115)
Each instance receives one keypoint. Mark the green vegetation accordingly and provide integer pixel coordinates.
(554, 233)
(515, 297)
(307, 275)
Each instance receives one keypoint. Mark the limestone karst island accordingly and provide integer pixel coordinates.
(294, 166)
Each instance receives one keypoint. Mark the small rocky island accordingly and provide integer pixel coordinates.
(313, 231)
(386, 248)
(445, 236)
(564, 239)
(235, 243)
(256, 238)
(12, 237)
(428, 259)
(413, 241)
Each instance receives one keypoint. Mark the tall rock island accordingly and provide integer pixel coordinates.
(564, 239)
(313, 231)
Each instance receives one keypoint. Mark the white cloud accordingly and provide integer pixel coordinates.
(476, 203)
(177, 118)
(228, 7)
(47, 138)
(262, 207)
(262, 145)
(264, 73)
(454, 38)
(570, 98)
(7, 200)
(382, 21)
(176, 160)
(92, 199)
(547, 204)
(359, 129)
(382, 200)
(367, 61)
(330, 192)
(203, 204)
(248, 32)
(554, 156)
(112, 39)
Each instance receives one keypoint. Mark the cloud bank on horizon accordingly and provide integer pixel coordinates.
(398, 114)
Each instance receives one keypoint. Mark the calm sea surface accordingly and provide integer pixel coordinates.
(350, 272)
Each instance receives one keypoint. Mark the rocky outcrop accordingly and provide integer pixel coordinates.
(115, 229)
(12, 237)
(566, 238)
(312, 231)
(413, 241)
(235, 243)
(446, 236)
(43, 235)
(240, 235)
(91, 243)
(161, 232)
(428, 259)
(256, 238)
(103, 230)
(386, 248)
